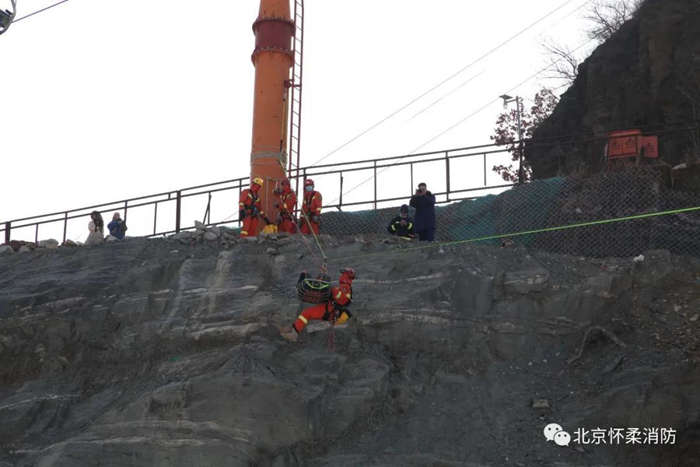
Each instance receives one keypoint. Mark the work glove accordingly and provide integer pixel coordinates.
(255, 211)
(241, 214)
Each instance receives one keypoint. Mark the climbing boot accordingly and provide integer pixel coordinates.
(289, 333)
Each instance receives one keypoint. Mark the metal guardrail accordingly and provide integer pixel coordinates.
(371, 166)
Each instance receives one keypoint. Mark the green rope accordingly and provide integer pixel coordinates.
(530, 232)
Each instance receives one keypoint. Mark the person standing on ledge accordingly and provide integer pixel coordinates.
(424, 204)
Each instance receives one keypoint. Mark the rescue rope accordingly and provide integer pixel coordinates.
(318, 242)
(307, 244)
(531, 232)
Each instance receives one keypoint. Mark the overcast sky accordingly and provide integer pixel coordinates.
(105, 99)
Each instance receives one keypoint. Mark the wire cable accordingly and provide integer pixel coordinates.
(449, 78)
(445, 96)
(39, 11)
(473, 114)
(485, 106)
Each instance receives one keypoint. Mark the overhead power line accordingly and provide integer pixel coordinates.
(447, 79)
(474, 113)
(39, 11)
(485, 106)
(445, 96)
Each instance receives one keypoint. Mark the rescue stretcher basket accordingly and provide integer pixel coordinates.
(314, 290)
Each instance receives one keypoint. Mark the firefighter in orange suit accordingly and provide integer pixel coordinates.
(250, 208)
(336, 309)
(311, 209)
(286, 204)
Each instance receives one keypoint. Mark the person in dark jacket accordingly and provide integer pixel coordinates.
(424, 203)
(117, 228)
(402, 225)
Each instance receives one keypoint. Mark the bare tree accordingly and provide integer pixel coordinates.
(507, 132)
(564, 64)
(608, 16)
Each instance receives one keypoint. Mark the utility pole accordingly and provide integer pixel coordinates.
(519, 110)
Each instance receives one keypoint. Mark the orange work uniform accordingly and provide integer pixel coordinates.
(250, 211)
(334, 310)
(311, 208)
(287, 204)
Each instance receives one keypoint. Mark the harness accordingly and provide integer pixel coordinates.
(250, 209)
(307, 203)
(338, 305)
(285, 213)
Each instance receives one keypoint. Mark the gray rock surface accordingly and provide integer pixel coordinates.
(94, 238)
(50, 243)
(646, 76)
(154, 353)
(210, 236)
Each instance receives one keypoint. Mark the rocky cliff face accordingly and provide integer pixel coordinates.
(646, 76)
(156, 353)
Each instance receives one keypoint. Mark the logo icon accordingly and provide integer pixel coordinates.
(554, 432)
(562, 438)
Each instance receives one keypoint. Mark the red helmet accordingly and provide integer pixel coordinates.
(347, 275)
(308, 182)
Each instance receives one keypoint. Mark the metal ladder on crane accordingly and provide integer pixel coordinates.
(295, 85)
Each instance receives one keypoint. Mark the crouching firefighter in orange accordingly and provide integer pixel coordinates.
(311, 209)
(336, 309)
(250, 209)
(286, 204)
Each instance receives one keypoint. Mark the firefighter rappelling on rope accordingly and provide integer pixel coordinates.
(332, 303)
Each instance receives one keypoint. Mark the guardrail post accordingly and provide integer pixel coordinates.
(240, 190)
(340, 206)
(447, 175)
(484, 169)
(36, 234)
(126, 205)
(178, 211)
(155, 217)
(410, 191)
(65, 226)
(375, 184)
(8, 228)
(207, 211)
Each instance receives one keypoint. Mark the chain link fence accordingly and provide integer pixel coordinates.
(559, 202)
